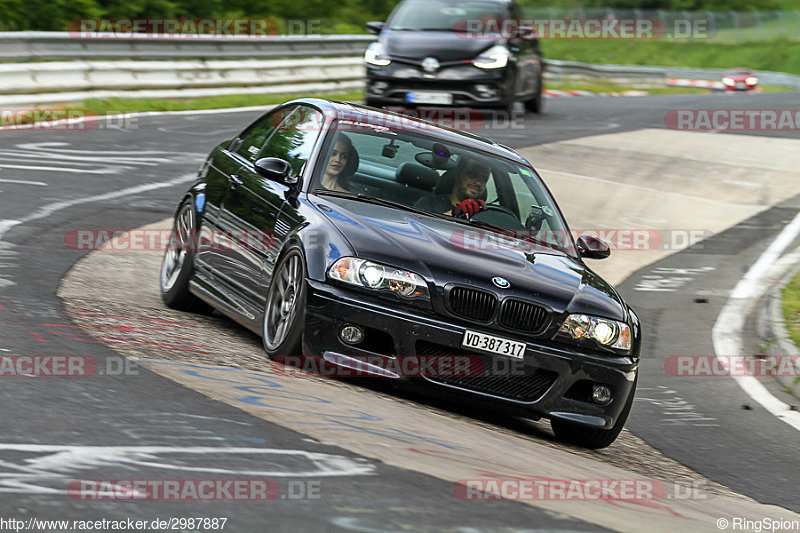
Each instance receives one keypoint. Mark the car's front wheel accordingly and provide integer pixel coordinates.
(536, 104)
(592, 438)
(284, 313)
(177, 267)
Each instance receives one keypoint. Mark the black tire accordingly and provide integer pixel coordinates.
(177, 267)
(592, 438)
(536, 104)
(288, 282)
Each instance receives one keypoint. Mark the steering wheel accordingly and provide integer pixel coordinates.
(500, 216)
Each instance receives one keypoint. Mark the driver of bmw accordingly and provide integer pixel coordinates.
(465, 198)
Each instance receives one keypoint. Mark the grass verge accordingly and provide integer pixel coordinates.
(790, 301)
(111, 106)
(781, 55)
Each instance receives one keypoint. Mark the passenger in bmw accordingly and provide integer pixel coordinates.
(342, 163)
(466, 195)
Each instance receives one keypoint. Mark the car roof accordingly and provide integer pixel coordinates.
(357, 112)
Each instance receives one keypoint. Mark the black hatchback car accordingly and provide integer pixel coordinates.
(368, 239)
(470, 53)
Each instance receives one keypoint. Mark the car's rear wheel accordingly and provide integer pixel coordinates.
(284, 313)
(592, 438)
(177, 267)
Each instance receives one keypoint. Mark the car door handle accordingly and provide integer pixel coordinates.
(236, 180)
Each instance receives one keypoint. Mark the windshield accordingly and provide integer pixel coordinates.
(440, 15)
(423, 173)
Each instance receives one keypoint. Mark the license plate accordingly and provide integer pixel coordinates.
(427, 97)
(740, 85)
(492, 344)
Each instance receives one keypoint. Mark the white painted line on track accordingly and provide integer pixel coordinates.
(24, 182)
(726, 334)
(755, 276)
(49, 209)
(103, 170)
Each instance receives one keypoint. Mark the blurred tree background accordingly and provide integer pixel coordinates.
(337, 17)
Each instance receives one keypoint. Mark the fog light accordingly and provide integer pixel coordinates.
(351, 334)
(379, 86)
(485, 91)
(601, 394)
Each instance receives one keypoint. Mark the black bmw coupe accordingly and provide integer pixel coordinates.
(370, 240)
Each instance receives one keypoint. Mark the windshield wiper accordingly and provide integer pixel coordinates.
(379, 201)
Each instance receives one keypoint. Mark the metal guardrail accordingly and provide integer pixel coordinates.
(332, 61)
(53, 46)
(58, 81)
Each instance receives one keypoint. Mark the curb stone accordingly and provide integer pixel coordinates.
(772, 329)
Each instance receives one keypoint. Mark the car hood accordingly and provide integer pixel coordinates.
(450, 252)
(443, 45)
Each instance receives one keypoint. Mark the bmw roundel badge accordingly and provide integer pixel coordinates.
(501, 282)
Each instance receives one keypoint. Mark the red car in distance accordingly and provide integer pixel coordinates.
(739, 79)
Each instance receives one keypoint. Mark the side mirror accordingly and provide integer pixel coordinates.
(276, 169)
(592, 248)
(526, 33)
(374, 27)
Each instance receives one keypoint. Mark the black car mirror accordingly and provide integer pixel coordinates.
(276, 169)
(390, 150)
(526, 33)
(535, 218)
(374, 27)
(591, 247)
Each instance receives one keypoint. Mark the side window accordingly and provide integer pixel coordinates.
(295, 139)
(254, 137)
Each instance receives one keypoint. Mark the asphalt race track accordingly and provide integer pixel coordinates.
(387, 461)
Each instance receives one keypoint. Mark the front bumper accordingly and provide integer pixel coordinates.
(550, 381)
(468, 85)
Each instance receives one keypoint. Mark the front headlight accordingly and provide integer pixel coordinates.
(607, 332)
(376, 55)
(494, 57)
(751, 80)
(728, 81)
(379, 277)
